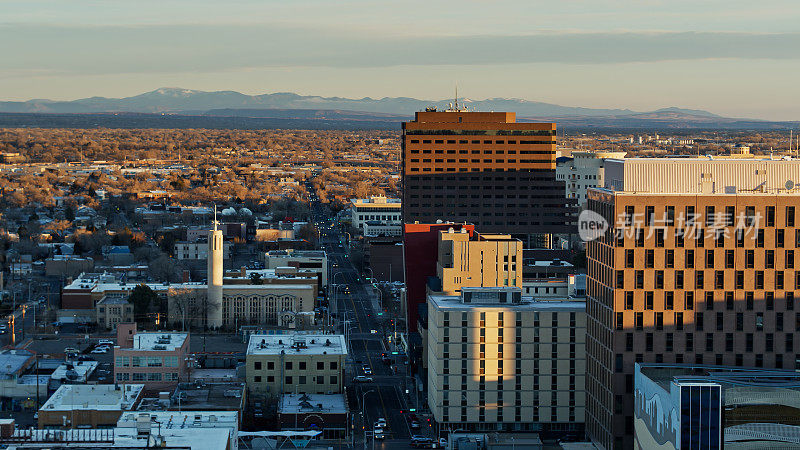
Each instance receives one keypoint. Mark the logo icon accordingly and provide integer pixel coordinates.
(591, 225)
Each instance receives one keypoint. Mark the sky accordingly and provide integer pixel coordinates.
(735, 58)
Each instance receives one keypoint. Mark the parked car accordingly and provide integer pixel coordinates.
(362, 379)
(99, 350)
(71, 350)
(105, 342)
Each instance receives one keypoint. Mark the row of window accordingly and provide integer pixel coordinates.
(713, 217)
(481, 152)
(146, 361)
(755, 279)
(302, 379)
(148, 376)
(718, 359)
(777, 323)
(518, 417)
(483, 142)
(768, 302)
(301, 365)
(482, 132)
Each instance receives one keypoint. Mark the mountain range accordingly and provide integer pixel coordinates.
(383, 112)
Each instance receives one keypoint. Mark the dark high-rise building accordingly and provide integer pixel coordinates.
(484, 168)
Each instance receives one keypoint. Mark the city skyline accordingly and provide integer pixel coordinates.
(615, 54)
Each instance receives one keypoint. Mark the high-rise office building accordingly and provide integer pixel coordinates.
(698, 266)
(498, 361)
(484, 168)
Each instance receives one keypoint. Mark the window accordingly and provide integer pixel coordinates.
(669, 259)
(729, 259)
(689, 259)
(719, 279)
(709, 259)
(639, 319)
(257, 365)
(648, 300)
(678, 279)
(669, 300)
(790, 216)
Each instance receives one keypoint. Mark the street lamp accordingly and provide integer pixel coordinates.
(364, 419)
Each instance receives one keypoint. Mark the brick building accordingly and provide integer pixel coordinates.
(699, 266)
(484, 168)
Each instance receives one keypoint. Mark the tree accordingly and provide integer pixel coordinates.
(69, 213)
(163, 268)
(255, 278)
(142, 298)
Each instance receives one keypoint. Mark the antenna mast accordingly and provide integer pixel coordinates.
(456, 103)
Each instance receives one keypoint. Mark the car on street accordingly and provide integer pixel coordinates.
(381, 422)
(362, 379)
(99, 350)
(71, 350)
(367, 370)
(378, 433)
(105, 342)
(422, 442)
(414, 425)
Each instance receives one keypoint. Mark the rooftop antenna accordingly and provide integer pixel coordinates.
(456, 103)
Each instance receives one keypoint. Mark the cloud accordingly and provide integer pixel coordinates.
(203, 48)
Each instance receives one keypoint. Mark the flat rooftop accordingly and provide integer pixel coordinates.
(184, 419)
(300, 344)
(527, 304)
(12, 361)
(209, 396)
(307, 403)
(297, 253)
(78, 371)
(107, 397)
(155, 341)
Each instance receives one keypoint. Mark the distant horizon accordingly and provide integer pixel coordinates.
(737, 58)
(357, 98)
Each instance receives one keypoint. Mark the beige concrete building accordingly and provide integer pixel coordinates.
(198, 250)
(498, 361)
(303, 363)
(308, 261)
(584, 170)
(113, 309)
(482, 260)
(380, 208)
(279, 305)
(89, 406)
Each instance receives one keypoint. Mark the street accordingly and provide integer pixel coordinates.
(356, 306)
